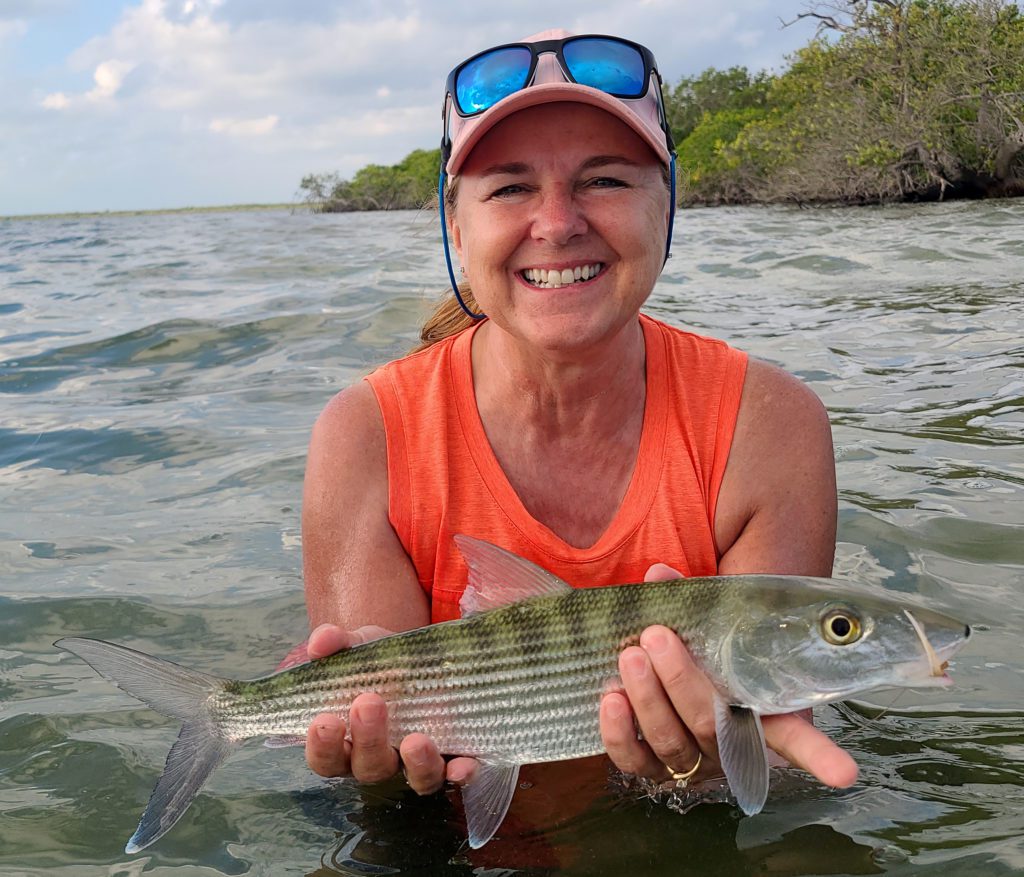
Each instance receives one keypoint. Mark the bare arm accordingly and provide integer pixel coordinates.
(776, 514)
(360, 584)
(354, 567)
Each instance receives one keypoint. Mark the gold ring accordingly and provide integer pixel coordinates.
(682, 776)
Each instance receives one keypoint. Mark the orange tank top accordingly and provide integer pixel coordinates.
(443, 478)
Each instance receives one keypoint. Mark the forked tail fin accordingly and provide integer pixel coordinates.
(174, 691)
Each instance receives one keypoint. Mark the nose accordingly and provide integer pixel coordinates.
(559, 217)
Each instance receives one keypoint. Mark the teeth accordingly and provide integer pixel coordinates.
(554, 279)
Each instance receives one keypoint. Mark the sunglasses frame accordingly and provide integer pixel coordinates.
(555, 47)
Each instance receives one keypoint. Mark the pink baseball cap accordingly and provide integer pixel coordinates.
(550, 85)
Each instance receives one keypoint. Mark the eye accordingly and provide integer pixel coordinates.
(840, 626)
(509, 191)
(607, 183)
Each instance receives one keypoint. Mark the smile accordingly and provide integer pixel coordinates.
(554, 278)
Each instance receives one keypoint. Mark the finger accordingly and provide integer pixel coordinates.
(806, 747)
(668, 739)
(329, 638)
(689, 691)
(462, 770)
(373, 757)
(424, 766)
(327, 750)
(326, 640)
(618, 733)
(661, 572)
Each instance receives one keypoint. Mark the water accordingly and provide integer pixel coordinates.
(159, 376)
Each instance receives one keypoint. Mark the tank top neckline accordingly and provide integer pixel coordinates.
(640, 493)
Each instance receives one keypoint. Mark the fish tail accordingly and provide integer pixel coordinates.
(174, 691)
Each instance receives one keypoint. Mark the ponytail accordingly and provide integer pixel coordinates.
(448, 318)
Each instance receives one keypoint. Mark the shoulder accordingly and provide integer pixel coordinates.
(776, 403)
(351, 417)
(779, 491)
(347, 450)
(782, 432)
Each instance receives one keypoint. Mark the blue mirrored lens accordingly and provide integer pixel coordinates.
(608, 65)
(486, 80)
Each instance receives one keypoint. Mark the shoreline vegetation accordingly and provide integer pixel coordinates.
(890, 101)
(155, 211)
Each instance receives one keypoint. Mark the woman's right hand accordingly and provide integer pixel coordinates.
(362, 751)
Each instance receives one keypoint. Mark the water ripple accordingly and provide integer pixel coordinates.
(161, 374)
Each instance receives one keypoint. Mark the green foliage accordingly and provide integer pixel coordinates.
(407, 185)
(892, 99)
(713, 91)
(913, 99)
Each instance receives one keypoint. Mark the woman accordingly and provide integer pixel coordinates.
(602, 445)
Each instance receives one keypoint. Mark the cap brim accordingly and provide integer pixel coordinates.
(553, 92)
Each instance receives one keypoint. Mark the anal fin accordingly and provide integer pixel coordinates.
(486, 800)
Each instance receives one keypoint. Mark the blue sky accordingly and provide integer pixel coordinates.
(112, 105)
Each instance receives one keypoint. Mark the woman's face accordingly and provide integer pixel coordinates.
(564, 188)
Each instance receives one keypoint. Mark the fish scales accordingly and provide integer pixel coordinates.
(545, 663)
(522, 683)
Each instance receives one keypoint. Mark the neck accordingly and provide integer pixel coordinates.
(564, 391)
(564, 427)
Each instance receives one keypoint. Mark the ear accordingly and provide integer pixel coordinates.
(455, 235)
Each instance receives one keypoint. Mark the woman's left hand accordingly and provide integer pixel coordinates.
(670, 699)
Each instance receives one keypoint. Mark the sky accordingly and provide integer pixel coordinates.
(118, 105)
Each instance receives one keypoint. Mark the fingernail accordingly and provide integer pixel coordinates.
(318, 628)
(416, 758)
(636, 663)
(328, 734)
(368, 713)
(616, 708)
(655, 643)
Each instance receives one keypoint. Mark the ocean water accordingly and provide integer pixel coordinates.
(159, 375)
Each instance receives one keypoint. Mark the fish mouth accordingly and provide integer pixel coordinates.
(937, 659)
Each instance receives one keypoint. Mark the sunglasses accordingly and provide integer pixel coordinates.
(615, 66)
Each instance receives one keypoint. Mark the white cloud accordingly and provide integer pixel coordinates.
(193, 96)
(244, 127)
(203, 7)
(12, 29)
(56, 101)
(109, 77)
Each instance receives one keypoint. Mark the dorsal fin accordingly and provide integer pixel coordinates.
(499, 578)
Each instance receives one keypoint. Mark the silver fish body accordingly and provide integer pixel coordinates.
(520, 678)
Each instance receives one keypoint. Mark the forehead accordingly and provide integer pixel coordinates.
(558, 133)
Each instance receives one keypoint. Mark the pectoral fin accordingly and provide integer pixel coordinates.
(743, 753)
(486, 800)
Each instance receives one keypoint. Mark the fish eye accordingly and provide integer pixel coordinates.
(840, 626)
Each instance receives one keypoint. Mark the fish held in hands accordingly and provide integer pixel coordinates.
(519, 678)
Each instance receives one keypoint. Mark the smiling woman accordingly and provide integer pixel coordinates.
(591, 197)
(564, 425)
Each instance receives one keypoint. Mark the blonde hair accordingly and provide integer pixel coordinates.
(449, 318)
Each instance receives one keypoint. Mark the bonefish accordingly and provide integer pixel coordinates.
(519, 678)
